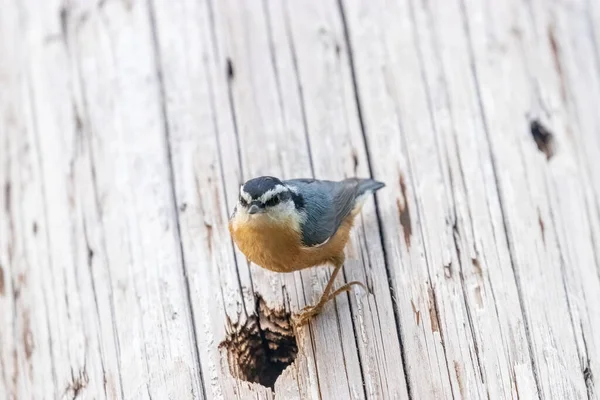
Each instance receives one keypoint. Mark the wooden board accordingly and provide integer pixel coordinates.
(128, 126)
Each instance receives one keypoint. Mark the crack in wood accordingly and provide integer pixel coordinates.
(77, 383)
(2, 282)
(7, 197)
(173, 193)
(498, 189)
(294, 55)
(28, 343)
(554, 46)
(433, 312)
(359, 109)
(403, 211)
(542, 226)
(217, 131)
(588, 375)
(416, 312)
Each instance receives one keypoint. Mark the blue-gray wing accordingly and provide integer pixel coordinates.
(327, 203)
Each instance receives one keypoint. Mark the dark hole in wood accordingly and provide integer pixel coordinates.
(544, 139)
(259, 350)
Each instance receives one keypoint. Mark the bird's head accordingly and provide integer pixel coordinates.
(267, 198)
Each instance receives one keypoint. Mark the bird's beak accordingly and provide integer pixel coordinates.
(254, 209)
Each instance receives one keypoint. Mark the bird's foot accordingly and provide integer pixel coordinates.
(307, 313)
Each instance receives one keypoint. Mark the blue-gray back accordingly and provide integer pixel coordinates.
(327, 203)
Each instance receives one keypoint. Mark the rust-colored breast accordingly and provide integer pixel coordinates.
(270, 245)
(279, 248)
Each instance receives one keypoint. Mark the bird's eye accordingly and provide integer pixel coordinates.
(273, 201)
(243, 202)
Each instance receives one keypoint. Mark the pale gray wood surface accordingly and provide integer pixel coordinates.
(127, 126)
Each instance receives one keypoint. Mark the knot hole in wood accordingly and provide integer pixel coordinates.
(260, 349)
(544, 139)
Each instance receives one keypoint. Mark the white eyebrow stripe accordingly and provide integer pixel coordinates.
(269, 194)
(245, 195)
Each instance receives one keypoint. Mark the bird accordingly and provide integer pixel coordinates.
(291, 225)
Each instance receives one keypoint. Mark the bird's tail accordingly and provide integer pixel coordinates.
(369, 186)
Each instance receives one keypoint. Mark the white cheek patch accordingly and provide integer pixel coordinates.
(246, 196)
(286, 213)
(269, 194)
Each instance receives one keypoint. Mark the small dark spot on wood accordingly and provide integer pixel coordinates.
(448, 270)
(542, 226)
(2, 287)
(78, 121)
(338, 49)
(209, 236)
(433, 315)
(459, 378)
(17, 286)
(230, 71)
(543, 138)
(174, 316)
(416, 312)
(7, 197)
(16, 292)
(28, 344)
(477, 267)
(183, 207)
(90, 255)
(260, 349)
(35, 228)
(355, 160)
(404, 213)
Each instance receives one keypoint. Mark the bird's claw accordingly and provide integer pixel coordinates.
(303, 316)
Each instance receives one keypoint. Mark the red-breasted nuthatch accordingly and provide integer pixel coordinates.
(287, 226)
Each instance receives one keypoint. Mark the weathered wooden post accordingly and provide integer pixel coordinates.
(127, 126)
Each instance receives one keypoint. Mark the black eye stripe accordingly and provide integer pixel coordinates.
(298, 201)
(272, 201)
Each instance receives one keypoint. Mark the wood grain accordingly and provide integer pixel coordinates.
(126, 128)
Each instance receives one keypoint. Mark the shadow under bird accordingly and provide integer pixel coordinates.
(290, 225)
